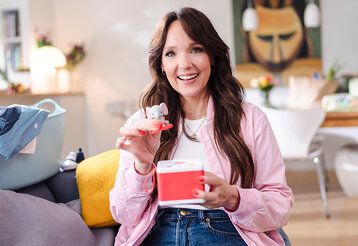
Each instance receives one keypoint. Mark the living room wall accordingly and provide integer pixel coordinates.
(340, 34)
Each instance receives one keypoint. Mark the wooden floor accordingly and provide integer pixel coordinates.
(308, 224)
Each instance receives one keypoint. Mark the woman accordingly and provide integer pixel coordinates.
(248, 199)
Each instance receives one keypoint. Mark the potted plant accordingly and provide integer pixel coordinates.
(265, 84)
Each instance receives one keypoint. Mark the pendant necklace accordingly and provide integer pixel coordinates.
(193, 135)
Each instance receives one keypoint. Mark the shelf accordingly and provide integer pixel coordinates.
(15, 40)
(12, 40)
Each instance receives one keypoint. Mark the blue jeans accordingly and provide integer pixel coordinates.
(196, 227)
(193, 227)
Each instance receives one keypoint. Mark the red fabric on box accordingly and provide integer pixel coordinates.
(178, 185)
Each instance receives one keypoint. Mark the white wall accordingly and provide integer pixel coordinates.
(116, 35)
(340, 34)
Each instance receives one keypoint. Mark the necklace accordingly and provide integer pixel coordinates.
(193, 135)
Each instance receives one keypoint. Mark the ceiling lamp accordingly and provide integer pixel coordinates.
(311, 15)
(249, 18)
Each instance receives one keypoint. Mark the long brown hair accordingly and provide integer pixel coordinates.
(225, 90)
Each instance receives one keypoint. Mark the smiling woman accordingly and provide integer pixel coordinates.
(247, 199)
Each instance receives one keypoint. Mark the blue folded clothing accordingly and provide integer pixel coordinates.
(19, 125)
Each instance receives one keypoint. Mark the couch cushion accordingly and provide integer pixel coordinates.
(39, 190)
(95, 178)
(104, 236)
(63, 186)
(29, 220)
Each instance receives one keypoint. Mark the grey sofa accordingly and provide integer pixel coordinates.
(59, 189)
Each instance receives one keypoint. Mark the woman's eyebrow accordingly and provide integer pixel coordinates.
(169, 47)
(172, 47)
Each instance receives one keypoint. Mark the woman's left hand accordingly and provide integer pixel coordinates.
(221, 193)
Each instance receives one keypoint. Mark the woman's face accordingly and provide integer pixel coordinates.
(186, 63)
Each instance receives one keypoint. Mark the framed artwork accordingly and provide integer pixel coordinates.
(280, 46)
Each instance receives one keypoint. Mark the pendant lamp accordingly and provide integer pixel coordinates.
(249, 18)
(311, 16)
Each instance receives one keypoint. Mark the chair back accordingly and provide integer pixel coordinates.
(294, 129)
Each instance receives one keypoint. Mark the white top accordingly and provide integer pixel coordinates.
(188, 149)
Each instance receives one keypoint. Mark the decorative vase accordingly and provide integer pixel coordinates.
(266, 97)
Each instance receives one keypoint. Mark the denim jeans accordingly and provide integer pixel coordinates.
(196, 227)
(193, 227)
(284, 237)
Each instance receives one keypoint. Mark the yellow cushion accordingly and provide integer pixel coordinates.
(95, 178)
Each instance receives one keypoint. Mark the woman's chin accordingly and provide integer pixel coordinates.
(191, 94)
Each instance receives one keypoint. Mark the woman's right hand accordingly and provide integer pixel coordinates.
(142, 141)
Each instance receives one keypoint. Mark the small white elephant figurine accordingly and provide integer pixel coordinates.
(158, 112)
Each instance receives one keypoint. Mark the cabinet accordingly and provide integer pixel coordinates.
(14, 41)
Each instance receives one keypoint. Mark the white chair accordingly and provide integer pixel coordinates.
(295, 134)
(346, 166)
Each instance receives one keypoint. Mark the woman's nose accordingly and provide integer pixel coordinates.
(184, 61)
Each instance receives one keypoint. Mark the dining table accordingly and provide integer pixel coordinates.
(340, 119)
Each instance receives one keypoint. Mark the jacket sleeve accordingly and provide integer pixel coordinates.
(128, 199)
(266, 206)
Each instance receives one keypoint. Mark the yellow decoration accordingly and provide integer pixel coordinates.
(95, 178)
(264, 83)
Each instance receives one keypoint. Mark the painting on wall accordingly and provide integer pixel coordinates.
(280, 46)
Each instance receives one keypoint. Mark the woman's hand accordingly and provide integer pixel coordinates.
(221, 193)
(142, 141)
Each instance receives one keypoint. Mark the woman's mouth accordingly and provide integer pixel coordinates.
(188, 78)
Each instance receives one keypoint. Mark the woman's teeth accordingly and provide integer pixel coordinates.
(188, 77)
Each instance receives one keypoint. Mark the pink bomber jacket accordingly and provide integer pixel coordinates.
(262, 209)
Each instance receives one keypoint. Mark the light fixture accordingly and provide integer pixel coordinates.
(249, 18)
(44, 64)
(311, 16)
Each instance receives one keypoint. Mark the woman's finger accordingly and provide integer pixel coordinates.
(123, 142)
(130, 132)
(211, 179)
(149, 125)
(146, 125)
(207, 196)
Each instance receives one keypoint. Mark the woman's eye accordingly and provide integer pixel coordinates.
(169, 54)
(197, 50)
